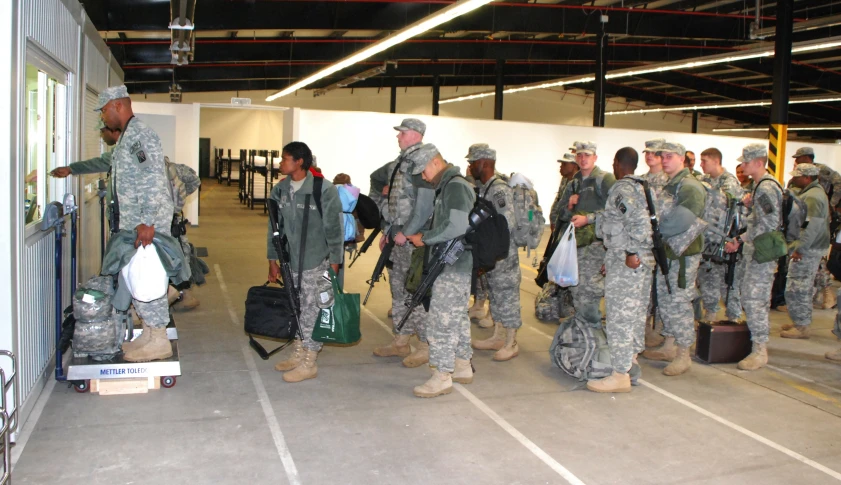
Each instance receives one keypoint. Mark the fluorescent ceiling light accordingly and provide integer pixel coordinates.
(444, 15)
(724, 130)
(755, 53)
(790, 128)
(730, 104)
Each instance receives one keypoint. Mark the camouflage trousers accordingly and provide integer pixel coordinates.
(836, 330)
(448, 326)
(154, 313)
(714, 289)
(822, 278)
(626, 295)
(504, 291)
(587, 296)
(800, 287)
(756, 294)
(482, 288)
(676, 308)
(401, 258)
(308, 291)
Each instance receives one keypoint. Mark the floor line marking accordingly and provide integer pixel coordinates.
(29, 427)
(750, 434)
(263, 396)
(803, 378)
(499, 420)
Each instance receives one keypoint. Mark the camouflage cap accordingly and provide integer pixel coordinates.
(412, 124)
(752, 152)
(672, 147)
(568, 157)
(480, 153)
(421, 156)
(576, 142)
(807, 169)
(803, 151)
(585, 147)
(110, 94)
(475, 146)
(653, 145)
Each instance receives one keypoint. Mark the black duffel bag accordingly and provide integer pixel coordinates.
(269, 314)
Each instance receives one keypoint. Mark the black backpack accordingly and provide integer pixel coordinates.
(489, 240)
(367, 212)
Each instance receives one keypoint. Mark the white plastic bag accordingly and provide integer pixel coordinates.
(145, 276)
(563, 267)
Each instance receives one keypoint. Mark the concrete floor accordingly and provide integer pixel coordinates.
(231, 419)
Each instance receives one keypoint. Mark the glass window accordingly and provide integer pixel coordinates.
(45, 140)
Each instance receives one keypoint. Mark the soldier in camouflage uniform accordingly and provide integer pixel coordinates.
(625, 226)
(448, 326)
(689, 162)
(504, 279)
(406, 209)
(184, 181)
(806, 252)
(324, 248)
(568, 169)
(682, 230)
(656, 179)
(765, 202)
(586, 196)
(830, 180)
(711, 274)
(480, 310)
(140, 189)
(746, 182)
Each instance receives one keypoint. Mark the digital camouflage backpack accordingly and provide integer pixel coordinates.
(529, 224)
(581, 351)
(553, 303)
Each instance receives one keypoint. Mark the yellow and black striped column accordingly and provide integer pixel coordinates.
(778, 131)
(777, 150)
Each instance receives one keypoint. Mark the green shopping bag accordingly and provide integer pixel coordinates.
(338, 323)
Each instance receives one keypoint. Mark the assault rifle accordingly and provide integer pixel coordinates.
(659, 248)
(446, 253)
(365, 246)
(379, 267)
(732, 224)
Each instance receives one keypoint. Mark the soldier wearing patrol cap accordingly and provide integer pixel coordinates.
(504, 280)
(568, 169)
(406, 208)
(448, 327)
(141, 188)
(656, 179)
(480, 311)
(682, 230)
(806, 252)
(765, 218)
(586, 196)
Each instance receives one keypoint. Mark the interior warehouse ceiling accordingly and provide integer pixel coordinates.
(269, 44)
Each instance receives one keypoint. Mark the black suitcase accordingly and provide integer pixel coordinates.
(722, 342)
(269, 314)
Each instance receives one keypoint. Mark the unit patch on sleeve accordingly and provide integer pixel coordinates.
(138, 152)
(499, 198)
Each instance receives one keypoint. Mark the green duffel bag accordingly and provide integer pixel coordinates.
(770, 246)
(338, 323)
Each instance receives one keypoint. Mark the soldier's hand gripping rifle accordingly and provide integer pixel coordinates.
(282, 248)
(444, 254)
(379, 267)
(732, 223)
(365, 246)
(659, 248)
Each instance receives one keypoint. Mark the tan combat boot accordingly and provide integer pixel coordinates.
(478, 310)
(141, 340)
(496, 342)
(463, 373)
(510, 349)
(665, 353)
(398, 347)
(158, 347)
(829, 298)
(187, 302)
(680, 364)
(294, 360)
(172, 295)
(307, 369)
(615, 382)
(419, 357)
(487, 321)
(796, 331)
(757, 358)
(653, 338)
(834, 355)
(439, 383)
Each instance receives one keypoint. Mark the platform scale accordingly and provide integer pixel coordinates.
(82, 372)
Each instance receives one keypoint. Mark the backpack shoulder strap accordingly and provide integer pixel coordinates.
(493, 181)
(646, 191)
(317, 187)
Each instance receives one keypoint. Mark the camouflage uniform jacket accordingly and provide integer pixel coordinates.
(325, 234)
(502, 197)
(625, 223)
(556, 206)
(183, 181)
(139, 176)
(815, 237)
(410, 200)
(830, 180)
(454, 199)
(656, 181)
(727, 183)
(592, 194)
(766, 203)
(100, 164)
